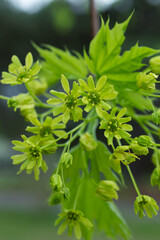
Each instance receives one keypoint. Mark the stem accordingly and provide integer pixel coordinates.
(150, 95)
(94, 18)
(133, 180)
(60, 159)
(4, 97)
(69, 142)
(152, 125)
(72, 131)
(152, 106)
(77, 196)
(130, 173)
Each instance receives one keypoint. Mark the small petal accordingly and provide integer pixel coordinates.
(122, 112)
(17, 159)
(77, 230)
(65, 84)
(54, 101)
(101, 82)
(34, 120)
(62, 227)
(127, 127)
(60, 95)
(76, 114)
(91, 84)
(83, 84)
(66, 116)
(16, 61)
(105, 105)
(31, 165)
(59, 109)
(88, 107)
(36, 172)
(99, 111)
(28, 61)
(60, 133)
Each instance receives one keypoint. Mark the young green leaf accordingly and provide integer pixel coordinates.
(57, 61)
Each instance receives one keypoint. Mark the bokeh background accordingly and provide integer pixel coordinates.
(24, 211)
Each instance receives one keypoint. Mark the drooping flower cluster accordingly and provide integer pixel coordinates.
(115, 126)
(73, 219)
(145, 204)
(92, 96)
(98, 98)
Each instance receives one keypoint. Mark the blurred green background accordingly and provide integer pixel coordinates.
(24, 211)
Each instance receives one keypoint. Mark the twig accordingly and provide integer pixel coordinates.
(94, 18)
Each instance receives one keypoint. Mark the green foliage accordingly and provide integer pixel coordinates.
(108, 88)
(58, 61)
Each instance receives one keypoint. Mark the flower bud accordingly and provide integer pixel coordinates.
(55, 198)
(137, 149)
(88, 142)
(59, 196)
(56, 182)
(156, 117)
(66, 193)
(156, 158)
(155, 177)
(49, 145)
(38, 87)
(146, 81)
(106, 190)
(155, 65)
(144, 141)
(67, 159)
(145, 204)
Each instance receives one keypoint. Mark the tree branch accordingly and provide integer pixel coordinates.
(94, 18)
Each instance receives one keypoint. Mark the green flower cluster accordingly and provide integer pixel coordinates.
(145, 204)
(25, 103)
(115, 126)
(43, 142)
(18, 74)
(123, 155)
(60, 193)
(73, 219)
(85, 93)
(31, 158)
(108, 91)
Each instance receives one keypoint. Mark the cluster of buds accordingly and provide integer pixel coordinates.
(60, 193)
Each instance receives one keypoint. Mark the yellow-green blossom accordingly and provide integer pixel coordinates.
(107, 190)
(73, 219)
(67, 103)
(97, 95)
(115, 126)
(60, 193)
(122, 154)
(25, 103)
(146, 82)
(155, 177)
(67, 159)
(88, 142)
(32, 149)
(155, 64)
(59, 196)
(18, 74)
(145, 204)
(48, 127)
(138, 149)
